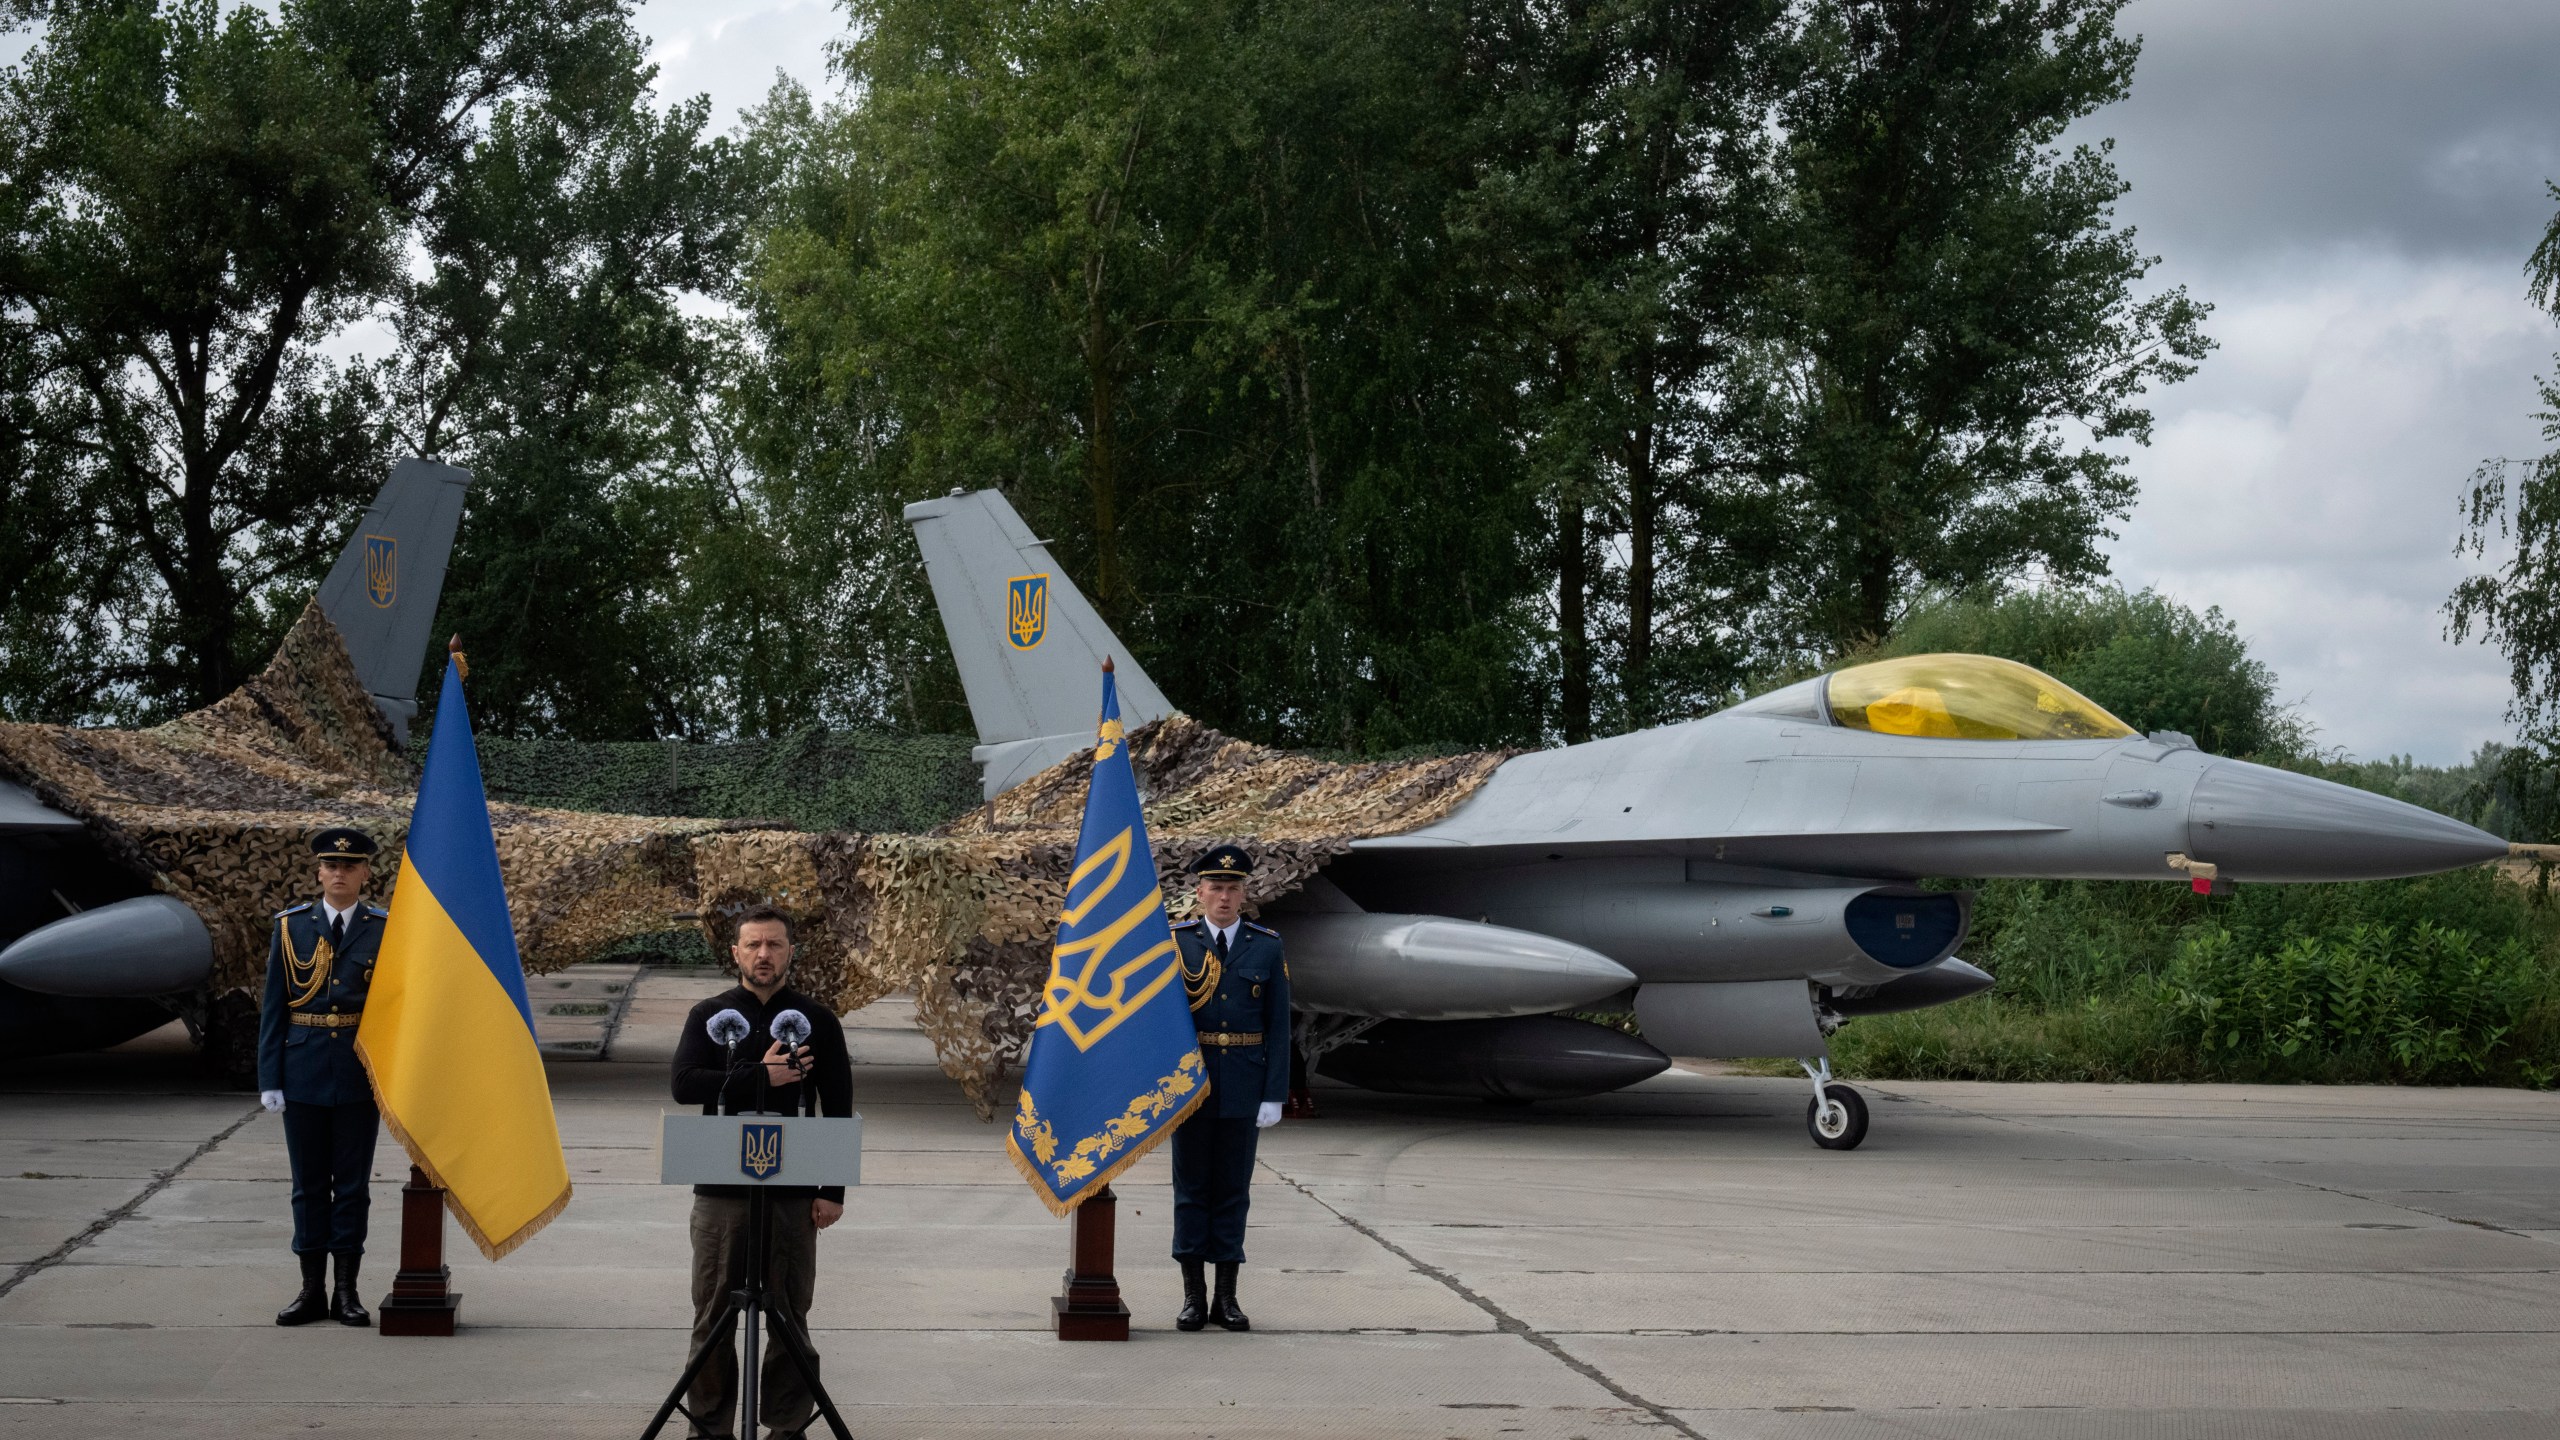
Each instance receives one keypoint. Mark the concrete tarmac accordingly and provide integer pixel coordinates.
(1995, 1262)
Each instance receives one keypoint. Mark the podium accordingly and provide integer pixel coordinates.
(761, 1152)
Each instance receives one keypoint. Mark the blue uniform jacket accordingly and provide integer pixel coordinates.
(1252, 998)
(316, 1064)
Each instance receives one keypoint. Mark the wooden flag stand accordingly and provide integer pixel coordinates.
(420, 1303)
(1091, 1309)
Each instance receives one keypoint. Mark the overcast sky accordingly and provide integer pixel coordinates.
(2354, 185)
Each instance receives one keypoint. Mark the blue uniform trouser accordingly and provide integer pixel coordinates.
(1212, 1185)
(331, 1147)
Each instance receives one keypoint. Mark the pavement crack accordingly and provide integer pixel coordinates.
(1503, 1320)
(112, 1218)
(612, 1029)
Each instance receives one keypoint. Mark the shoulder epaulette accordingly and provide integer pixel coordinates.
(372, 909)
(293, 909)
(1262, 929)
(1186, 924)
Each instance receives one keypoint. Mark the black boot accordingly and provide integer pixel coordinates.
(343, 1302)
(1223, 1308)
(309, 1305)
(1195, 1299)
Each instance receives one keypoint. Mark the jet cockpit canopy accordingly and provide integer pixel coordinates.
(1964, 697)
(1943, 697)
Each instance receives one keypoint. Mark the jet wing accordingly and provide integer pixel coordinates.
(21, 813)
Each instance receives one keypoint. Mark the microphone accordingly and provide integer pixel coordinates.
(792, 1029)
(727, 1029)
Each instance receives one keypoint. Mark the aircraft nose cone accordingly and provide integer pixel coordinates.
(2259, 823)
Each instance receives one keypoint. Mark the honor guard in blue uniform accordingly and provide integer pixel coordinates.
(319, 968)
(1239, 988)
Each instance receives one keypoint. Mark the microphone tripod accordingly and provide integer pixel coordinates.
(746, 1303)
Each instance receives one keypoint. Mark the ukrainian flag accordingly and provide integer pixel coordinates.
(1115, 1060)
(447, 1031)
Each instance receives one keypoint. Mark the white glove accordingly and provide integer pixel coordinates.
(273, 1100)
(1267, 1116)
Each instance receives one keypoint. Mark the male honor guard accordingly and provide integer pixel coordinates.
(1239, 988)
(319, 969)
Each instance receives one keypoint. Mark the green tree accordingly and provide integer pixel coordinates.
(200, 198)
(55, 601)
(1948, 335)
(2515, 505)
(547, 349)
(1177, 278)
(196, 200)
(1622, 141)
(193, 197)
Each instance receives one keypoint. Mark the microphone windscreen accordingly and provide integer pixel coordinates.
(728, 1028)
(791, 1028)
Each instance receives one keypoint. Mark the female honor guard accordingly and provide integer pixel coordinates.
(319, 970)
(1239, 987)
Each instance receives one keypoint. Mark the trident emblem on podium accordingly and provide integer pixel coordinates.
(760, 1151)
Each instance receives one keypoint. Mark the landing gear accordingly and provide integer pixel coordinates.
(1310, 1037)
(1836, 1115)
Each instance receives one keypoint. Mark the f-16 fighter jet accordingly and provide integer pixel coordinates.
(1748, 877)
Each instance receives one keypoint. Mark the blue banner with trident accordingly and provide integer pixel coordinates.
(1115, 1061)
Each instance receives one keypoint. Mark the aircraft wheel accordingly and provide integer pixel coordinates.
(1838, 1120)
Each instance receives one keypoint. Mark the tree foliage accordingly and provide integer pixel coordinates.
(1177, 277)
(198, 202)
(191, 197)
(1484, 374)
(547, 349)
(2514, 505)
(1946, 325)
(1425, 374)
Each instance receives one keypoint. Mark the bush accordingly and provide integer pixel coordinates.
(2441, 979)
(2375, 1003)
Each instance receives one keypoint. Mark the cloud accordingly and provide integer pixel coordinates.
(2354, 184)
(731, 49)
(2280, 125)
(2307, 484)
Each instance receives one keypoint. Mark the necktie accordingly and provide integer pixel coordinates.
(1221, 937)
(337, 932)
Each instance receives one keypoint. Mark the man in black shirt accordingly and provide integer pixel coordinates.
(763, 951)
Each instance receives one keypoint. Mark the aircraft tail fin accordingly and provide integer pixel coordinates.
(382, 592)
(1028, 643)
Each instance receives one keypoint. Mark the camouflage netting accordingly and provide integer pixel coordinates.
(217, 807)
